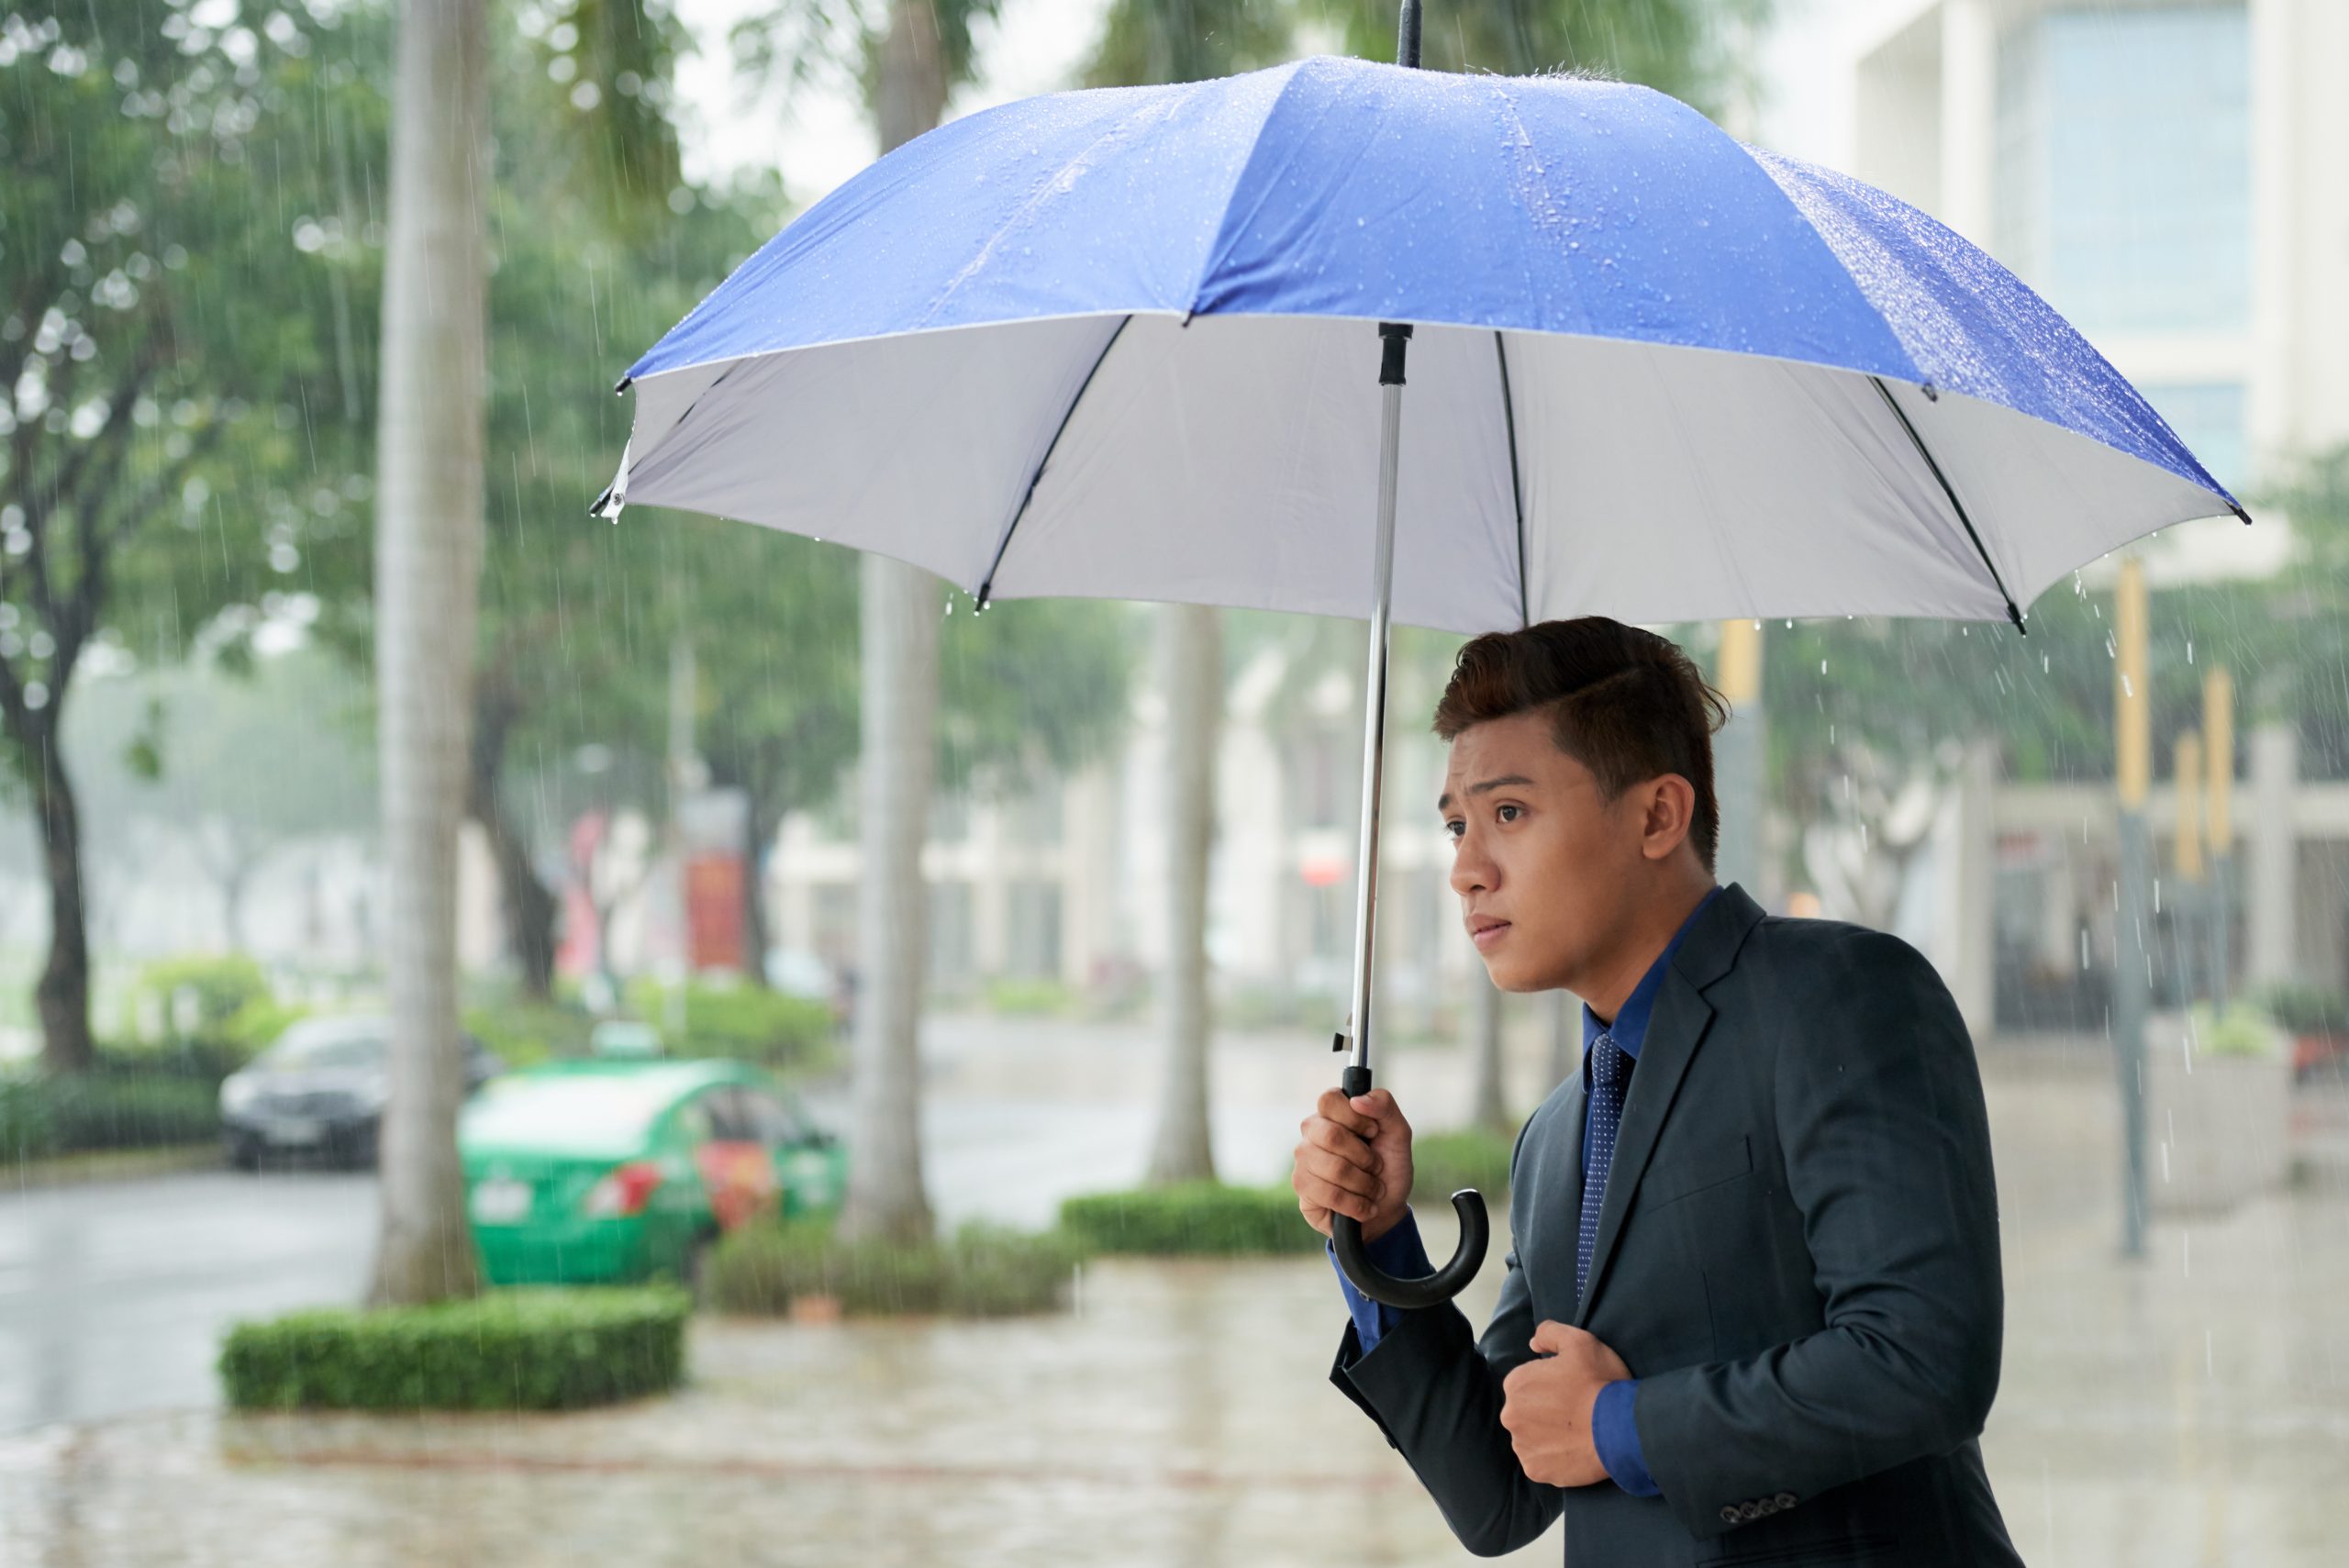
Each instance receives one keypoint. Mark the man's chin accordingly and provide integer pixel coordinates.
(1514, 978)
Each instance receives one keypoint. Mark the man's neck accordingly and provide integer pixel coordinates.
(1652, 928)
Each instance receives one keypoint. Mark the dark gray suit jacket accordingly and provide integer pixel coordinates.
(1798, 1256)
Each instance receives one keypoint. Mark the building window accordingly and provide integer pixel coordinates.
(2123, 165)
(833, 909)
(2208, 417)
(950, 933)
(1037, 812)
(1032, 944)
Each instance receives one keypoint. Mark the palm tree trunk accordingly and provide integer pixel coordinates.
(886, 1196)
(428, 571)
(1191, 645)
(899, 643)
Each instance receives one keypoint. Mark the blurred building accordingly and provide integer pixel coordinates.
(1061, 882)
(2169, 174)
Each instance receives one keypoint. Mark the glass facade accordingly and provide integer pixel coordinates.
(2208, 417)
(2123, 165)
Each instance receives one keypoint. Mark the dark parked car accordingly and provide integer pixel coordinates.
(320, 1089)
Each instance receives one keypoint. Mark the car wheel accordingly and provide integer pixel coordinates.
(244, 1152)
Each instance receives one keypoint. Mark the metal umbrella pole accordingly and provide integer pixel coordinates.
(1345, 1231)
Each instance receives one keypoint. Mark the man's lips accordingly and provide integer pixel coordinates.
(1484, 931)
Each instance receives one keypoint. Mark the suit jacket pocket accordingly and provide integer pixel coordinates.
(1842, 1549)
(1712, 1162)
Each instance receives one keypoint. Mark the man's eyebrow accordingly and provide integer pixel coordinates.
(1486, 786)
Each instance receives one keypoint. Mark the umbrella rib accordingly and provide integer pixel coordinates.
(1516, 482)
(1942, 479)
(987, 583)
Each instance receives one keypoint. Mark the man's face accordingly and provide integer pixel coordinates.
(1545, 865)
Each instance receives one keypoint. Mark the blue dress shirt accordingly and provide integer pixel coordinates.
(1613, 1432)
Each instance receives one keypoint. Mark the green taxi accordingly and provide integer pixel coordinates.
(612, 1170)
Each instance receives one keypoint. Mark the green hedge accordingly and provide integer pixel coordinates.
(790, 1034)
(2306, 1009)
(1443, 1163)
(522, 1350)
(1018, 996)
(237, 1018)
(1192, 1217)
(984, 1272)
(222, 984)
(525, 1033)
(75, 1113)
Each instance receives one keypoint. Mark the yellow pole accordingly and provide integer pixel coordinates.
(2133, 726)
(2219, 724)
(1740, 677)
(2187, 777)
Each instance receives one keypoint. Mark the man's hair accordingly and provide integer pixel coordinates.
(1625, 704)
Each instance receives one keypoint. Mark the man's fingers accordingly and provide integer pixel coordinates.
(1323, 1133)
(1334, 1105)
(1338, 1172)
(1379, 1104)
(1550, 1337)
(1322, 1192)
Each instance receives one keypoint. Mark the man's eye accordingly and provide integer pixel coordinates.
(1452, 830)
(1508, 813)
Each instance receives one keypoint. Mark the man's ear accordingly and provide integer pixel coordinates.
(1671, 811)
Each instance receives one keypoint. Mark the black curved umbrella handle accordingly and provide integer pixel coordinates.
(1354, 1254)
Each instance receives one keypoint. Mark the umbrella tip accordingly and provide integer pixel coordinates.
(622, 384)
(2236, 507)
(2015, 616)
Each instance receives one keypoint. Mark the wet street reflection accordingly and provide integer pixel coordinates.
(2190, 1409)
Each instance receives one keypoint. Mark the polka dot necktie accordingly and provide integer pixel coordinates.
(1611, 1073)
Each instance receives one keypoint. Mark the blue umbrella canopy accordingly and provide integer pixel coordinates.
(1119, 343)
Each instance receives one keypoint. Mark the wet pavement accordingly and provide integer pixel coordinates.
(2191, 1408)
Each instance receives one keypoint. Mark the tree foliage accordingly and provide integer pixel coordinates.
(178, 381)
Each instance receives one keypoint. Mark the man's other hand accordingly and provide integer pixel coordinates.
(1355, 1159)
(1547, 1402)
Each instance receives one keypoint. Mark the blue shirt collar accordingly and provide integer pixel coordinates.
(1631, 1025)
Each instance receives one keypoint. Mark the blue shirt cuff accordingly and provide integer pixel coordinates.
(1615, 1435)
(1400, 1252)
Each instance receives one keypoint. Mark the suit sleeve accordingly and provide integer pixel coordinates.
(1887, 1153)
(1436, 1393)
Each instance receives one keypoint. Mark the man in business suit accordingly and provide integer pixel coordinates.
(1753, 1308)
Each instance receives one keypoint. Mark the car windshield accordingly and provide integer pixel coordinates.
(582, 1110)
(321, 1044)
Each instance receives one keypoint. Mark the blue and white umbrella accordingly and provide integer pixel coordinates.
(1150, 343)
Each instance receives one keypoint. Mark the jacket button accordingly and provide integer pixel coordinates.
(1730, 1515)
(1749, 1511)
(1785, 1499)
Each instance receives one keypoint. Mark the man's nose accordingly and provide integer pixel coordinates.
(1472, 869)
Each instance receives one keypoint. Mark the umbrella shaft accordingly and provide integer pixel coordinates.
(1374, 715)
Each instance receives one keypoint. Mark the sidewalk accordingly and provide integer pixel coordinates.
(2190, 1410)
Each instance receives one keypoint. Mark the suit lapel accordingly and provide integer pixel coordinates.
(1675, 1029)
